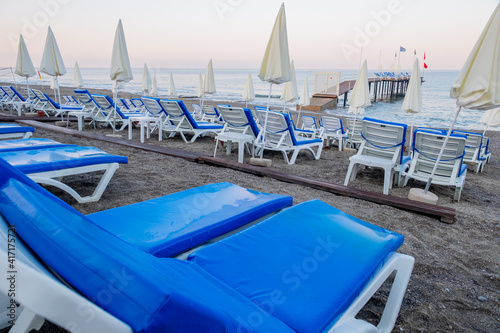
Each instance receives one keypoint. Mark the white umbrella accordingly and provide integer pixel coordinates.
(290, 92)
(304, 98)
(154, 86)
(77, 77)
(171, 86)
(248, 91)
(24, 66)
(360, 96)
(120, 72)
(199, 87)
(52, 62)
(146, 84)
(413, 97)
(477, 86)
(275, 67)
(209, 83)
(491, 118)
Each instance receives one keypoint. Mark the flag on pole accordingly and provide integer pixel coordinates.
(425, 65)
(39, 75)
(402, 49)
(424, 55)
(415, 52)
(395, 54)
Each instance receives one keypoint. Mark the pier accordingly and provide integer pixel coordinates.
(381, 89)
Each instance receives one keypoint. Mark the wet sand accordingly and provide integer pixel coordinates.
(455, 285)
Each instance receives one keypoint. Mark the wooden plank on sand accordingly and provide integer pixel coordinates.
(445, 214)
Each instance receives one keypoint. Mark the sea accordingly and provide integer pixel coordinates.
(438, 108)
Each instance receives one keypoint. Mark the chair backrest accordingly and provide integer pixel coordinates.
(383, 139)
(472, 145)
(137, 102)
(354, 129)
(197, 111)
(278, 129)
(178, 114)
(239, 120)
(106, 104)
(153, 106)
(308, 123)
(426, 147)
(331, 124)
(84, 97)
(16, 95)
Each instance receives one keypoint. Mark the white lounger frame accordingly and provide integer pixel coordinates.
(52, 178)
(278, 137)
(177, 122)
(41, 296)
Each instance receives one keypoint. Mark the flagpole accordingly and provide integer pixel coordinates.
(399, 59)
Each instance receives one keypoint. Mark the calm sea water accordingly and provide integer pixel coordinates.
(438, 108)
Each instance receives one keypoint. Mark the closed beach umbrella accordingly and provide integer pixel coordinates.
(120, 72)
(491, 118)
(360, 96)
(120, 63)
(24, 66)
(413, 97)
(77, 77)
(199, 87)
(477, 85)
(154, 86)
(248, 91)
(146, 83)
(275, 67)
(209, 83)
(290, 91)
(52, 62)
(171, 86)
(304, 98)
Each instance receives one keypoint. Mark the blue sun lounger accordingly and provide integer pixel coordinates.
(26, 144)
(48, 165)
(11, 131)
(308, 268)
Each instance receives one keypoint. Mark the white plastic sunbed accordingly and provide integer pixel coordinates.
(48, 165)
(279, 135)
(308, 268)
(12, 131)
(381, 147)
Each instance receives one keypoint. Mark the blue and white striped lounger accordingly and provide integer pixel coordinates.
(12, 131)
(48, 165)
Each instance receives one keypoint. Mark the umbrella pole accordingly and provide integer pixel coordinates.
(28, 92)
(485, 129)
(411, 135)
(442, 150)
(265, 120)
(115, 96)
(298, 117)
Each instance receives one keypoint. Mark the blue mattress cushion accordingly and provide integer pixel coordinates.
(26, 144)
(151, 295)
(304, 265)
(57, 158)
(177, 222)
(13, 128)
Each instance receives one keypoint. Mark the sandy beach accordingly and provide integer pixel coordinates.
(455, 285)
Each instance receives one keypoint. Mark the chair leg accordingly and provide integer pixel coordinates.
(350, 176)
(26, 322)
(387, 180)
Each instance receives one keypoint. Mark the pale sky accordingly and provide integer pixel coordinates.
(322, 34)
